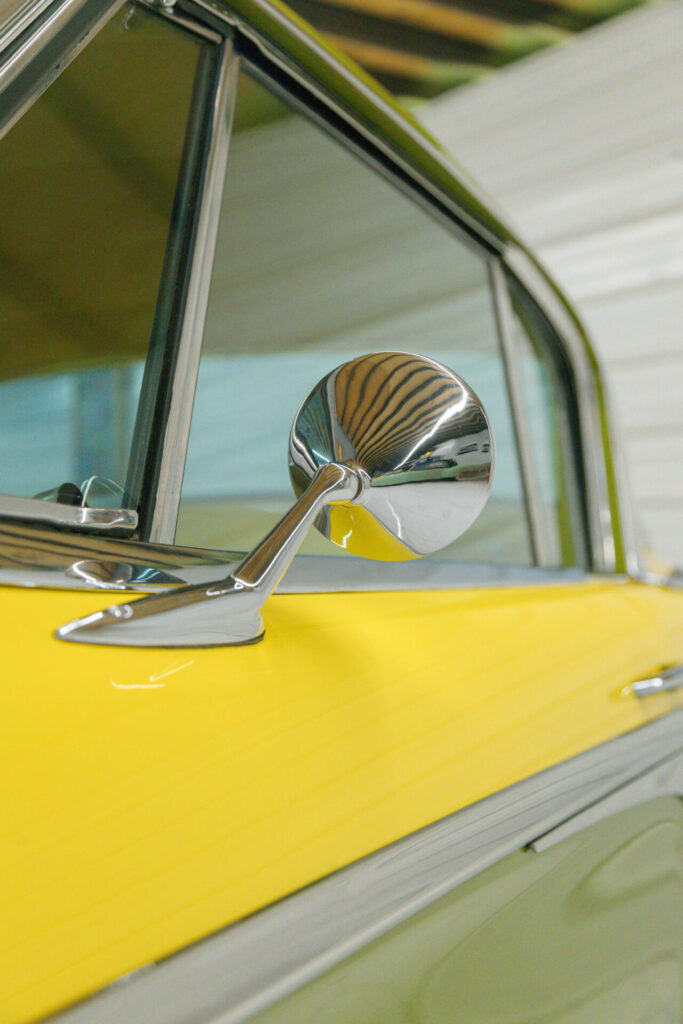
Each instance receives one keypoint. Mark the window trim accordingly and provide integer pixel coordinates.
(325, 78)
(193, 274)
(540, 546)
(571, 470)
(36, 554)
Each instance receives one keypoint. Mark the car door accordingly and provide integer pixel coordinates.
(203, 214)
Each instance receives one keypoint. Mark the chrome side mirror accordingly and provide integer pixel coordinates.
(417, 438)
(392, 457)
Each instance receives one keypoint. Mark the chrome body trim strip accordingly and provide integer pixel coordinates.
(172, 467)
(669, 680)
(240, 971)
(37, 556)
(540, 543)
(76, 516)
(308, 574)
(664, 780)
(34, 554)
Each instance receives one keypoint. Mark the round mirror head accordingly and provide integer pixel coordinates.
(419, 438)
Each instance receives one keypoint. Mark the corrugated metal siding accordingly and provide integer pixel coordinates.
(583, 147)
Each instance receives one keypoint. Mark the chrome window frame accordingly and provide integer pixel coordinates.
(173, 446)
(328, 86)
(31, 60)
(22, 15)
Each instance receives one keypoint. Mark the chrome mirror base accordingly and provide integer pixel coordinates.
(221, 615)
(227, 613)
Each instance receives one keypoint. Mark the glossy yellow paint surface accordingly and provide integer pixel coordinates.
(151, 797)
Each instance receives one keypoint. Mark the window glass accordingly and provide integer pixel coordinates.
(87, 185)
(320, 260)
(545, 391)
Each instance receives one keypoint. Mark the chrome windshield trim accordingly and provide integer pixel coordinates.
(75, 516)
(25, 12)
(52, 39)
(176, 435)
(242, 970)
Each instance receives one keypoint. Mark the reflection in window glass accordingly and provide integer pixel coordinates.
(87, 185)
(545, 399)
(320, 260)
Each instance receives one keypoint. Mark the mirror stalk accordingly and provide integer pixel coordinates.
(265, 566)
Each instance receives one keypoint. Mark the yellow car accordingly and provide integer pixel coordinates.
(409, 789)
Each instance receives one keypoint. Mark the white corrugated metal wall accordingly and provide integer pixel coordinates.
(582, 146)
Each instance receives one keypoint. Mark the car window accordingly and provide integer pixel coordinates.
(546, 394)
(318, 260)
(87, 187)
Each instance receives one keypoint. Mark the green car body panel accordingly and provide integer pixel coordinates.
(587, 932)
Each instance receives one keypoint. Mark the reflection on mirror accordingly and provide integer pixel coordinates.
(401, 422)
(392, 457)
